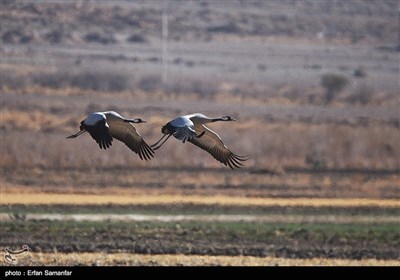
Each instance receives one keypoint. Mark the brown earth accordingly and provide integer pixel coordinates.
(128, 259)
(213, 239)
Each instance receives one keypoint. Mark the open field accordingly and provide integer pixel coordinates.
(319, 231)
(311, 239)
(124, 259)
(322, 186)
(34, 198)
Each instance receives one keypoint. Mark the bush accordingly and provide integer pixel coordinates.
(136, 38)
(230, 27)
(16, 37)
(86, 80)
(104, 39)
(333, 84)
(315, 160)
(360, 72)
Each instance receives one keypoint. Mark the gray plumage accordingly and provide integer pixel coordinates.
(104, 126)
(191, 128)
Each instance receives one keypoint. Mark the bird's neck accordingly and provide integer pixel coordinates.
(131, 120)
(217, 120)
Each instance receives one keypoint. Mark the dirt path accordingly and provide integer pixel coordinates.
(103, 259)
(339, 219)
(90, 199)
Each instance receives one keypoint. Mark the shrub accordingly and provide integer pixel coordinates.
(104, 39)
(85, 80)
(315, 160)
(333, 84)
(230, 27)
(136, 38)
(360, 72)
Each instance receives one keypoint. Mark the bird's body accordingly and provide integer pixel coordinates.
(192, 128)
(104, 126)
(182, 128)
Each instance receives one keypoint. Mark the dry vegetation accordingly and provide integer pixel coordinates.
(124, 259)
(372, 145)
(35, 199)
(352, 21)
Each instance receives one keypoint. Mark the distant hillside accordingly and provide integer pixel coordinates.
(140, 21)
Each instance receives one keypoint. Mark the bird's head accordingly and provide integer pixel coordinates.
(135, 120)
(227, 119)
(139, 121)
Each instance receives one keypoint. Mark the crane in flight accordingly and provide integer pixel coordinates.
(192, 128)
(104, 126)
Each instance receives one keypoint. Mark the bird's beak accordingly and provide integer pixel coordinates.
(235, 120)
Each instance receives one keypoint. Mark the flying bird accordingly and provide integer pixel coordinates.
(191, 128)
(104, 126)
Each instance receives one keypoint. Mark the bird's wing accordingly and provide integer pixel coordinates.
(182, 128)
(212, 143)
(100, 133)
(126, 133)
(184, 133)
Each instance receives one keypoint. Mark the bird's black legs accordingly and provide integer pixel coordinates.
(155, 144)
(76, 134)
(159, 146)
(201, 134)
(155, 147)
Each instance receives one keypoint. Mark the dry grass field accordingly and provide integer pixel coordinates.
(123, 259)
(322, 186)
(87, 199)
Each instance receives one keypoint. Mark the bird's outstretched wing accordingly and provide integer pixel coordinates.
(184, 133)
(126, 133)
(101, 134)
(182, 128)
(212, 143)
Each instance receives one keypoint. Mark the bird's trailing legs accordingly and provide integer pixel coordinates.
(76, 134)
(155, 147)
